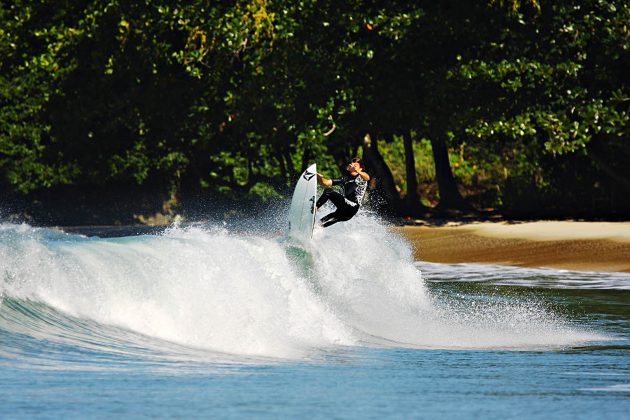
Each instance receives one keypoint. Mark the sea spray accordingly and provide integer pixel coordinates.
(234, 293)
(366, 274)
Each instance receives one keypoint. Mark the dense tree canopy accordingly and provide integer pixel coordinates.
(522, 106)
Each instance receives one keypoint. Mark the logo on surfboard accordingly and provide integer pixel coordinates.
(308, 175)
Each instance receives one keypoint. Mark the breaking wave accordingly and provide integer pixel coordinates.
(208, 292)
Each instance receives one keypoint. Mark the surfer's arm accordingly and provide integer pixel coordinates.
(363, 175)
(324, 181)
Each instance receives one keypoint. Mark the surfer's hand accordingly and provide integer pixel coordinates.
(324, 181)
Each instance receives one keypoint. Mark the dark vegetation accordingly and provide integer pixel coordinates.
(113, 111)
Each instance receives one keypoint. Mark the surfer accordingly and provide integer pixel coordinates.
(354, 184)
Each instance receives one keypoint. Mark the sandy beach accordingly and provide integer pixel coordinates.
(590, 246)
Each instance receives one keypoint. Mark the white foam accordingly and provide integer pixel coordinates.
(525, 276)
(611, 388)
(201, 288)
(212, 289)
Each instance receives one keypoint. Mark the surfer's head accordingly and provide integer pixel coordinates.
(355, 164)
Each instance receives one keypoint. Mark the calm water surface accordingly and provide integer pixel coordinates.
(202, 322)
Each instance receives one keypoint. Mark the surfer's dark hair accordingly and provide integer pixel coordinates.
(359, 161)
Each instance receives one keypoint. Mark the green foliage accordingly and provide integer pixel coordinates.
(549, 84)
(529, 97)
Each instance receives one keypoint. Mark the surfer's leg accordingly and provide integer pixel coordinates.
(344, 213)
(329, 219)
(332, 195)
(339, 201)
(324, 197)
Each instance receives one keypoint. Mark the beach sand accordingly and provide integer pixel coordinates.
(589, 246)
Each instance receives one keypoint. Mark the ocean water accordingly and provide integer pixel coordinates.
(206, 321)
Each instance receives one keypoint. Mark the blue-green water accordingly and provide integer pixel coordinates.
(204, 322)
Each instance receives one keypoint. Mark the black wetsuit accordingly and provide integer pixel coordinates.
(347, 204)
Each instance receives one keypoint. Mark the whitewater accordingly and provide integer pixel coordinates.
(205, 291)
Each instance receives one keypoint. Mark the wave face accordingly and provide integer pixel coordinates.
(206, 290)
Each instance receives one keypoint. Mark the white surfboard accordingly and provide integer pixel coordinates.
(302, 210)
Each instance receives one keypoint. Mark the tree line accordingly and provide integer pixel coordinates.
(521, 106)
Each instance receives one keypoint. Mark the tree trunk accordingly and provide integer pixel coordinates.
(410, 171)
(450, 197)
(382, 182)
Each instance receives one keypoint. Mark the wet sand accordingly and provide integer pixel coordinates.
(589, 246)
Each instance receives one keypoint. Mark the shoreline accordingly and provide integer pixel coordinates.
(571, 245)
